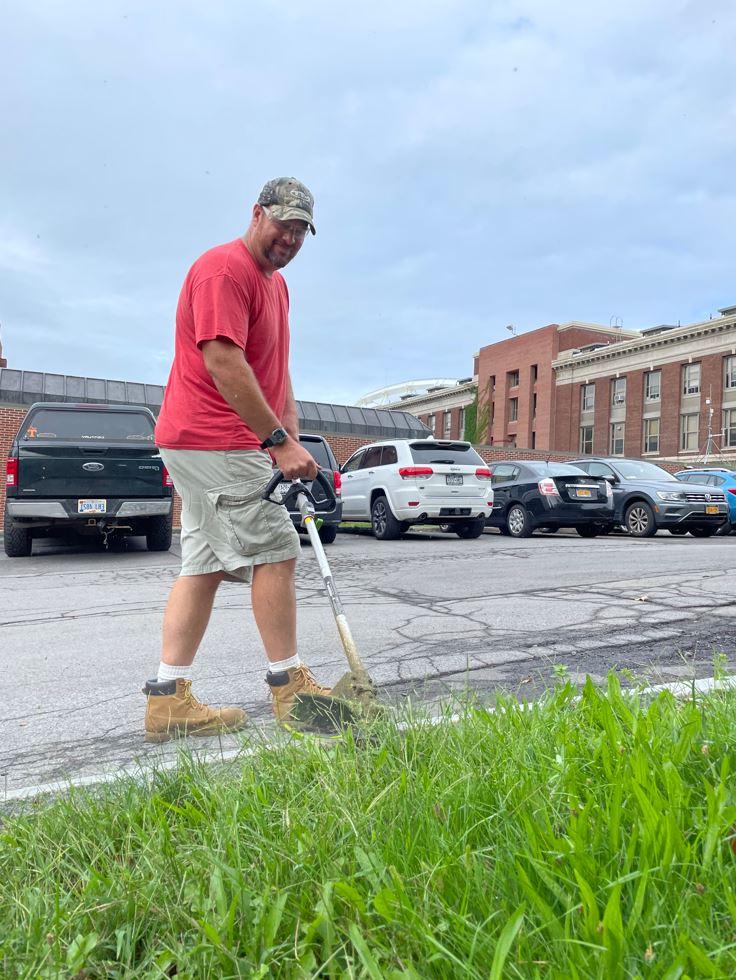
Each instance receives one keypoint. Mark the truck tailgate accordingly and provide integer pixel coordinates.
(104, 471)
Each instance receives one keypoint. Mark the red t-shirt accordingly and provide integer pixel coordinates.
(225, 295)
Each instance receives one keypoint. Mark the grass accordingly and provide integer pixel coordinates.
(580, 838)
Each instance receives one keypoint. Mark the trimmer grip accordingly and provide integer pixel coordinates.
(297, 487)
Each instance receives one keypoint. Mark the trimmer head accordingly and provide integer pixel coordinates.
(321, 714)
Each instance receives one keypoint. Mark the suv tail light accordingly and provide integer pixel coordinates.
(11, 471)
(407, 472)
(483, 473)
(337, 482)
(732, 490)
(548, 487)
(166, 477)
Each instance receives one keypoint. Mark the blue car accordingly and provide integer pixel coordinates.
(725, 479)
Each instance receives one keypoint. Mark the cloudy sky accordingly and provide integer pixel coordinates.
(474, 164)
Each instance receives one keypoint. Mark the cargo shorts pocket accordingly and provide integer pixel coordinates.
(252, 526)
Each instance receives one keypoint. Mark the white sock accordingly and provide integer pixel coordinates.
(169, 672)
(280, 665)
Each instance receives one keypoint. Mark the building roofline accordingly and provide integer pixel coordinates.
(643, 342)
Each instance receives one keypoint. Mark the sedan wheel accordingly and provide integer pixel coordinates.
(587, 530)
(518, 523)
(640, 521)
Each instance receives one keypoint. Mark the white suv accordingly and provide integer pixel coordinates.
(417, 481)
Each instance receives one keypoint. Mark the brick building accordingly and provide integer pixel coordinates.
(516, 381)
(442, 408)
(651, 395)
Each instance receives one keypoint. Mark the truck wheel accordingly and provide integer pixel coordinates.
(17, 540)
(158, 535)
(327, 533)
(471, 529)
(385, 525)
(639, 520)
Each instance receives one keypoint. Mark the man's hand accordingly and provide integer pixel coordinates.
(294, 461)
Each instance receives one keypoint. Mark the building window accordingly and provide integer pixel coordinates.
(730, 379)
(534, 405)
(617, 438)
(447, 425)
(461, 428)
(534, 440)
(729, 427)
(652, 386)
(430, 423)
(651, 435)
(691, 379)
(513, 409)
(587, 398)
(689, 432)
(586, 439)
(618, 391)
(513, 379)
(535, 373)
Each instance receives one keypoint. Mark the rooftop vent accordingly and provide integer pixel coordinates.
(662, 328)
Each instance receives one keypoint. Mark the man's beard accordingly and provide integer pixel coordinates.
(278, 258)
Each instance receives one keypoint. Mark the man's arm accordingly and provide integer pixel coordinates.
(234, 379)
(290, 421)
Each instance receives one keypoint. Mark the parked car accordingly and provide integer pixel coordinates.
(531, 494)
(713, 477)
(397, 484)
(90, 468)
(647, 498)
(320, 449)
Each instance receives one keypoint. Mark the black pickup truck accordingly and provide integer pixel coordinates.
(93, 469)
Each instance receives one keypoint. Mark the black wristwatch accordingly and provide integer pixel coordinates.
(277, 437)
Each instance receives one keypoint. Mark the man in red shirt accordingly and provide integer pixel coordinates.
(228, 404)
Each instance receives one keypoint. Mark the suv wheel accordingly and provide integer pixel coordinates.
(327, 533)
(703, 532)
(678, 531)
(385, 525)
(17, 541)
(587, 530)
(518, 522)
(639, 520)
(158, 534)
(470, 529)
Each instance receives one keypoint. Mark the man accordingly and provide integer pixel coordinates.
(228, 404)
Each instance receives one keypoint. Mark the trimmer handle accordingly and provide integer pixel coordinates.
(295, 487)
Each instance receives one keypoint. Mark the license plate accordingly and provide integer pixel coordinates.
(711, 509)
(583, 493)
(91, 506)
(454, 481)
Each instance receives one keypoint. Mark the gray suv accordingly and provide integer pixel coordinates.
(647, 498)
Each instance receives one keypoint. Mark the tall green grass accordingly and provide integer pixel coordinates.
(588, 838)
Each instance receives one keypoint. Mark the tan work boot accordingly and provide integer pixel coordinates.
(287, 685)
(173, 712)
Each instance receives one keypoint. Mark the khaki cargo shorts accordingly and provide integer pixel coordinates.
(225, 524)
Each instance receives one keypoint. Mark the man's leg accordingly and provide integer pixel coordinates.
(171, 709)
(186, 617)
(274, 608)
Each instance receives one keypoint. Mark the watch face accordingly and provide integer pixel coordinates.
(278, 436)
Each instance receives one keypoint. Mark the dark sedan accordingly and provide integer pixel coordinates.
(530, 494)
(648, 498)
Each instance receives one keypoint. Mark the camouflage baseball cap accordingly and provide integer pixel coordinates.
(287, 198)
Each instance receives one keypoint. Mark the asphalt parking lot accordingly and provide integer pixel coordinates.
(431, 614)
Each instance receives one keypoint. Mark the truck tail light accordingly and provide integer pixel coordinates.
(548, 487)
(407, 472)
(166, 478)
(483, 473)
(337, 478)
(11, 471)
(732, 490)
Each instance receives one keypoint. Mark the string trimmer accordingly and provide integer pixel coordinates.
(354, 695)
